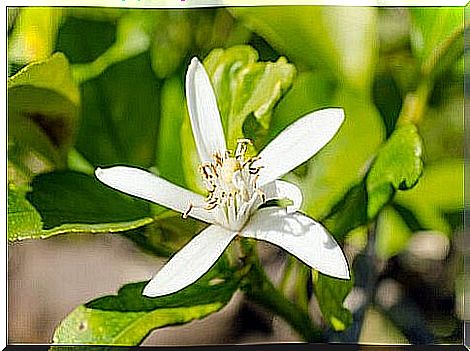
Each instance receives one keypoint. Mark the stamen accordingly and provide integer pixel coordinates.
(231, 180)
(188, 210)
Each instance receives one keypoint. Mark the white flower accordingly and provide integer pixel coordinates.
(237, 187)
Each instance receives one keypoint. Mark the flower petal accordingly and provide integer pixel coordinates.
(280, 189)
(204, 113)
(298, 142)
(302, 237)
(191, 262)
(137, 182)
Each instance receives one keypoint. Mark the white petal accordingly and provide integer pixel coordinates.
(298, 142)
(280, 189)
(204, 113)
(143, 184)
(191, 262)
(302, 237)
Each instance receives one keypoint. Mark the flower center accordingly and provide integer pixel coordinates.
(231, 183)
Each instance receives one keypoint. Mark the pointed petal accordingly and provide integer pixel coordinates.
(302, 237)
(280, 189)
(191, 262)
(204, 113)
(137, 182)
(298, 142)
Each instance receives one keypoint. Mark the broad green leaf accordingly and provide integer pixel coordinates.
(349, 213)
(330, 293)
(120, 115)
(245, 86)
(343, 162)
(392, 233)
(43, 103)
(34, 35)
(74, 202)
(397, 166)
(169, 148)
(439, 191)
(24, 222)
(127, 318)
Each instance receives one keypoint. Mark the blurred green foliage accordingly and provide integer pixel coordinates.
(96, 87)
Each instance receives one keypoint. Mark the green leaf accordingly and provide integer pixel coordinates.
(397, 166)
(120, 115)
(24, 222)
(430, 27)
(171, 41)
(127, 318)
(244, 86)
(74, 202)
(43, 103)
(330, 293)
(169, 146)
(439, 191)
(392, 233)
(349, 213)
(437, 39)
(133, 32)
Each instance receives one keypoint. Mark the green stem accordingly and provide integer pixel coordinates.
(439, 61)
(283, 285)
(415, 104)
(259, 288)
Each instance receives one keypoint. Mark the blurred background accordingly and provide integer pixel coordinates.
(130, 64)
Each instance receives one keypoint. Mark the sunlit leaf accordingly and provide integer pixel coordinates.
(397, 166)
(24, 222)
(27, 44)
(127, 318)
(432, 26)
